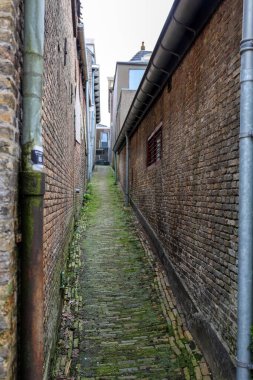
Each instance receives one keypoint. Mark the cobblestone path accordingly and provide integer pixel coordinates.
(120, 320)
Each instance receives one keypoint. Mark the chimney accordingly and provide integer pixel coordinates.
(143, 46)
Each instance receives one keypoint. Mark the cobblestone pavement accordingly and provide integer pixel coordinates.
(120, 319)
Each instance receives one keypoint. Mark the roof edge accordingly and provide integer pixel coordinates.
(182, 26)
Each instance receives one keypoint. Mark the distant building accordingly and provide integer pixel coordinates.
(93, 95)
(126, 80)
(102, 144)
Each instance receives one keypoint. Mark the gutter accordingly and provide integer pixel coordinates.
(96, 87)
(32, 196)
(185, 21)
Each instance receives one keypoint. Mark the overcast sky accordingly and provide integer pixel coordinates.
(118, 28)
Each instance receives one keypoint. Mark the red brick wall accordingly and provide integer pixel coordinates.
(190, 197)
(64, 157)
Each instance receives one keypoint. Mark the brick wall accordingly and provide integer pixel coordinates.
(10, 121)
(190, 197)
(65, 164)
(65, 169)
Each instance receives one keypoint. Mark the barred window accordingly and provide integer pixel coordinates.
(154, 147)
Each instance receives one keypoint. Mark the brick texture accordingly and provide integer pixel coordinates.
(190, 197)
(65, 164)
(65, 159)
(10, 121)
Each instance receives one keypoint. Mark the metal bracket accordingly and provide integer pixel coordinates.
(246, 45)
(246, 134)
(244, 365)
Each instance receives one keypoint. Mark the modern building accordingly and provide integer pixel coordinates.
(102, 145)
(178, 162)
(121, 91)
(93, 110)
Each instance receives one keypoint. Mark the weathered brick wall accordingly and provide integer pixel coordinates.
(190, 197)
(61, 155)
(10, 121)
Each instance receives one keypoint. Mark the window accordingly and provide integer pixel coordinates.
(103, 140)
(78, 116)
(135, 77)
(154, 147)
(104, 137)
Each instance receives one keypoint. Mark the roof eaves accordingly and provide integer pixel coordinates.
(184, 23)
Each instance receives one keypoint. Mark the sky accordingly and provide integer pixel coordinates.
(118, 28)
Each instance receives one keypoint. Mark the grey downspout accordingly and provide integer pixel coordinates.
(87, 125)
(245, 197)
(90, 147)
(32, 192)
(115, 168)
(89, 139)
(127, 172)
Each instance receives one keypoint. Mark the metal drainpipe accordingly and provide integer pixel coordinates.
(245, 197)
(127, 171)
(115, 168)
(87, 125)
(32, 191)
(90, 142)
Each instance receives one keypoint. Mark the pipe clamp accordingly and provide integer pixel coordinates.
(246, 45)
(244, 365)
(245, 135)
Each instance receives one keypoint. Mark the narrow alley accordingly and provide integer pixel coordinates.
(119, 317)
(126, 176)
